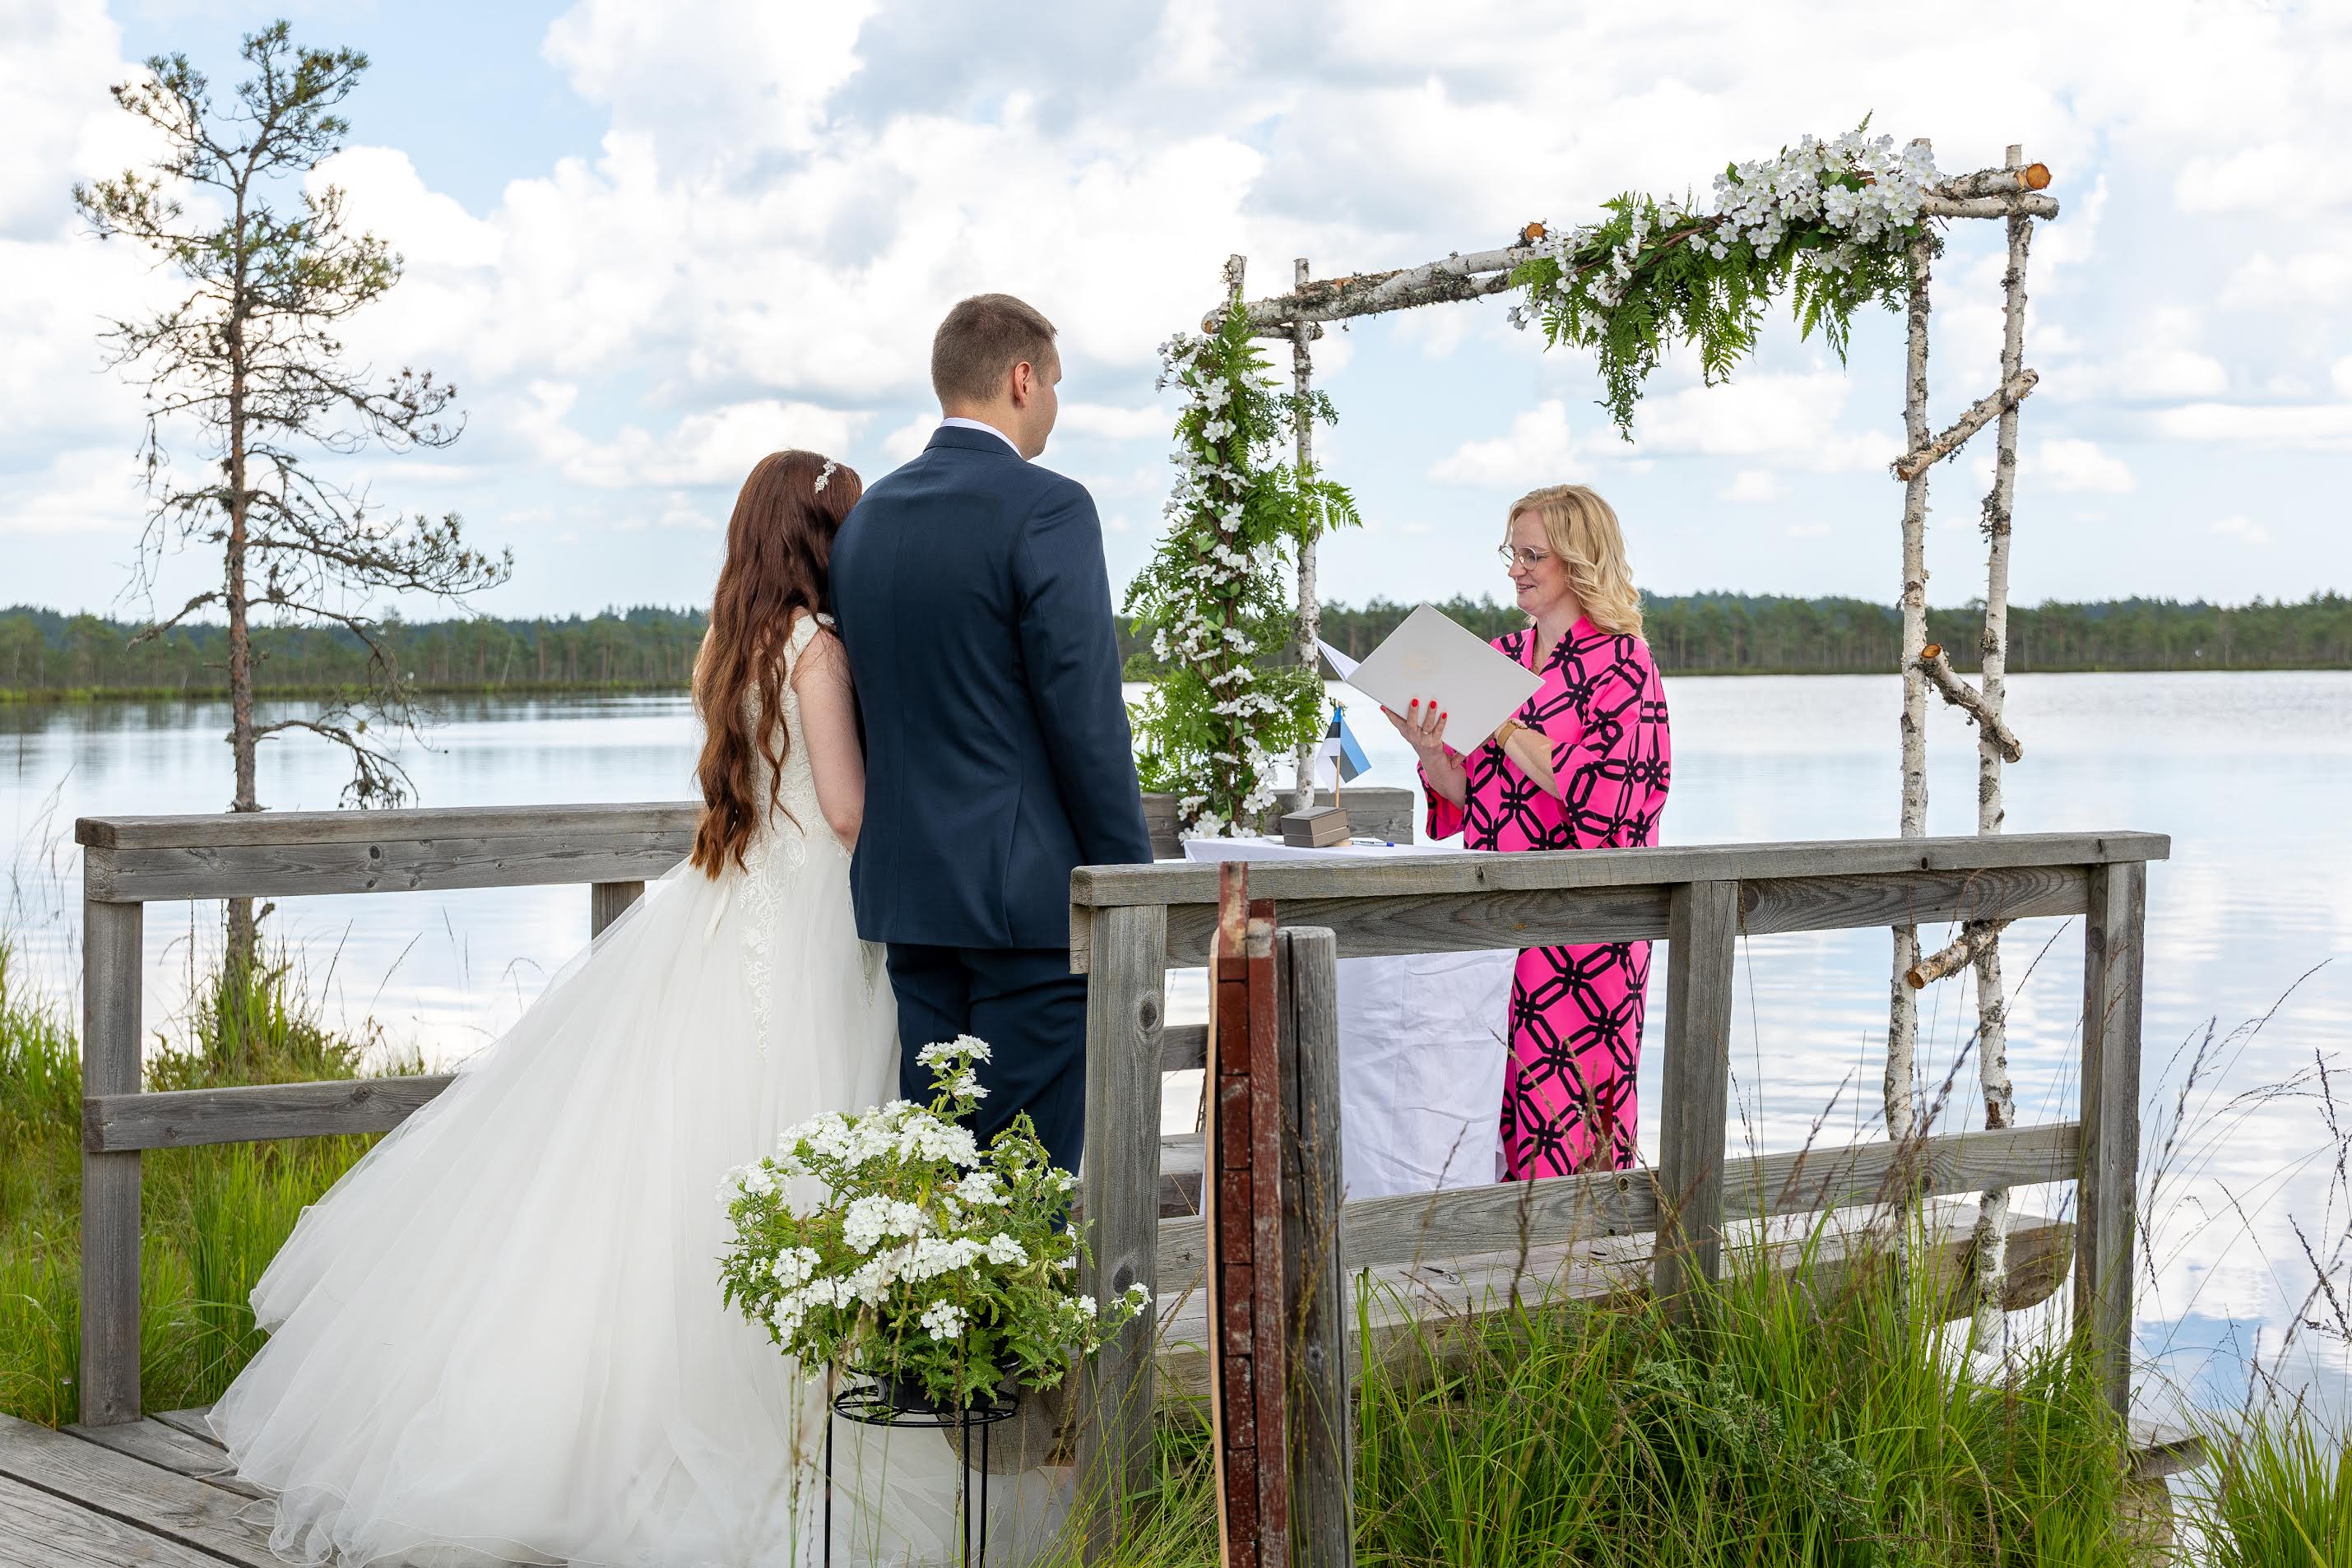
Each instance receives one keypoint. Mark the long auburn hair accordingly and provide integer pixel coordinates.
(778, 560)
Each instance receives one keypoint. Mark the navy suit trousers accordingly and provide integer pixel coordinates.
(1032, 1010)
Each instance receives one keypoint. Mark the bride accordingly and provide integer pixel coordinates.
(499, 1337)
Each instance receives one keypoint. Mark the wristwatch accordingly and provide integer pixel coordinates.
(1502, 734)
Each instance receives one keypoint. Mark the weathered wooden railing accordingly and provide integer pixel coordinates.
(130, 861)
(1129, 923)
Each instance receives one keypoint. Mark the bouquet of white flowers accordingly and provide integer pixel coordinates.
(923, 1261)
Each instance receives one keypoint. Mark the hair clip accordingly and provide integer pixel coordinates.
(824, 474)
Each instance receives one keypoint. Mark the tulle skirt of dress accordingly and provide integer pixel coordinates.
(501, 1337)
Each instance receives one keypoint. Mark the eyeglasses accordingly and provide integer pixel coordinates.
(1530, 559)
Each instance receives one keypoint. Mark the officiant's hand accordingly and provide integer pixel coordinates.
(1423, 724)
(1423, 728)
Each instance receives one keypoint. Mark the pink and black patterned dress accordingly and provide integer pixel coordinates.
(1576, 1012)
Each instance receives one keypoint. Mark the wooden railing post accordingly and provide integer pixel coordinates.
(1306, 983)
(606, 900)
(1120, 1186)
(1702, 938)
(2113, 942)
(112, 968)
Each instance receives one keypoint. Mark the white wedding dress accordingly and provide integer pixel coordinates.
(499, 1337)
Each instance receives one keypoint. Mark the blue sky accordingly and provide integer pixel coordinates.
(651, 242)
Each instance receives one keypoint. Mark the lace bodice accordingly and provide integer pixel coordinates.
(796, 816)
(795, 827)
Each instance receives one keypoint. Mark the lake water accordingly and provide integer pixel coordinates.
(2250, 920)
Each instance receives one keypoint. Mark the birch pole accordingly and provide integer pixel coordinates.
(1310, 610)
(1903, 1006)
(1992, 1326)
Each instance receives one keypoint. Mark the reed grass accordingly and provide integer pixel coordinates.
(212, 1217)
(1799, 1419)
(2277, 1492)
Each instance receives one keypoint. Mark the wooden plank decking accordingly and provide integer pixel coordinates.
(66, 1497)
(155, 1493)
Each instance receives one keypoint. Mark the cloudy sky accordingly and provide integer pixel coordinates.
(650, 242)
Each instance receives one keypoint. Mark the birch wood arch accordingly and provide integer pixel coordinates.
(2013, 194)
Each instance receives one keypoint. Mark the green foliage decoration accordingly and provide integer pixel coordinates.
(1216, 594)
(1829, 223)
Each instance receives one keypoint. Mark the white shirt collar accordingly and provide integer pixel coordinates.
(959, 422)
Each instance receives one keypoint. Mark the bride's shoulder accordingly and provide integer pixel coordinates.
(807, 626)
(812, 639)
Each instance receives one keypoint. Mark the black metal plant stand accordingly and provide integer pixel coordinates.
(870, 1404)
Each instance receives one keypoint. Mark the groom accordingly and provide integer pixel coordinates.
(973, 600)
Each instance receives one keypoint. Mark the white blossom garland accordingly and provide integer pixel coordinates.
(1214, 595)
(1831, 222)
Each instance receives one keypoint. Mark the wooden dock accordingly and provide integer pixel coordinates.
(150, 1492)
(156, 1492)
(132, 1487)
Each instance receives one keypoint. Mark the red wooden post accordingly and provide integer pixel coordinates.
(1243, 1202)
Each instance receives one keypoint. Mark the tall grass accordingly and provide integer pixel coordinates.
(2279, 1494)
(1802, 1417)
(1805, 1417)
(212, 1217)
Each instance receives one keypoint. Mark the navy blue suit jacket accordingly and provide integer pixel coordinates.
(972, 597)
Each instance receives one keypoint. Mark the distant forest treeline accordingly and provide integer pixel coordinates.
(42, 651)
(45, 654)
(1759, 634)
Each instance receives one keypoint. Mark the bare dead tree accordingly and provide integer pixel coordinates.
(248, 367)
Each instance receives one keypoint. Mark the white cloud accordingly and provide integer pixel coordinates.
(2342, 377)
(2310, 277)
(1795, 420)
(88, 493)
(57, 61)
(729, 77)
(2069, 464)
(1754, 487)
(2313, 427)
(2158, 374)
(910, 438)
(1792, 420)
(680, 512)
(384, 195)
(1436, 333)
(1808, 530)
(2162, 363)
(1116, 424)
(1538, 450)
(715, 447)
(758, 243)
(2274, 177)
(2243, 529)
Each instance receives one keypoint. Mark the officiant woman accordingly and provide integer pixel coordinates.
(1584, 765)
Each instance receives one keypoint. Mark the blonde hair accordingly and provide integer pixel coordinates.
(1583, 532)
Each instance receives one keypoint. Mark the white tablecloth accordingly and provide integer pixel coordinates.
(1422, 1042)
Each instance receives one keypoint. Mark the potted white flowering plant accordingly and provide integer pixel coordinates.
(913, 1255)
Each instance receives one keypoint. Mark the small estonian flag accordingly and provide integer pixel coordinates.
(1340, 747)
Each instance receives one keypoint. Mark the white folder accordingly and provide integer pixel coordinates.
(1438, 660)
